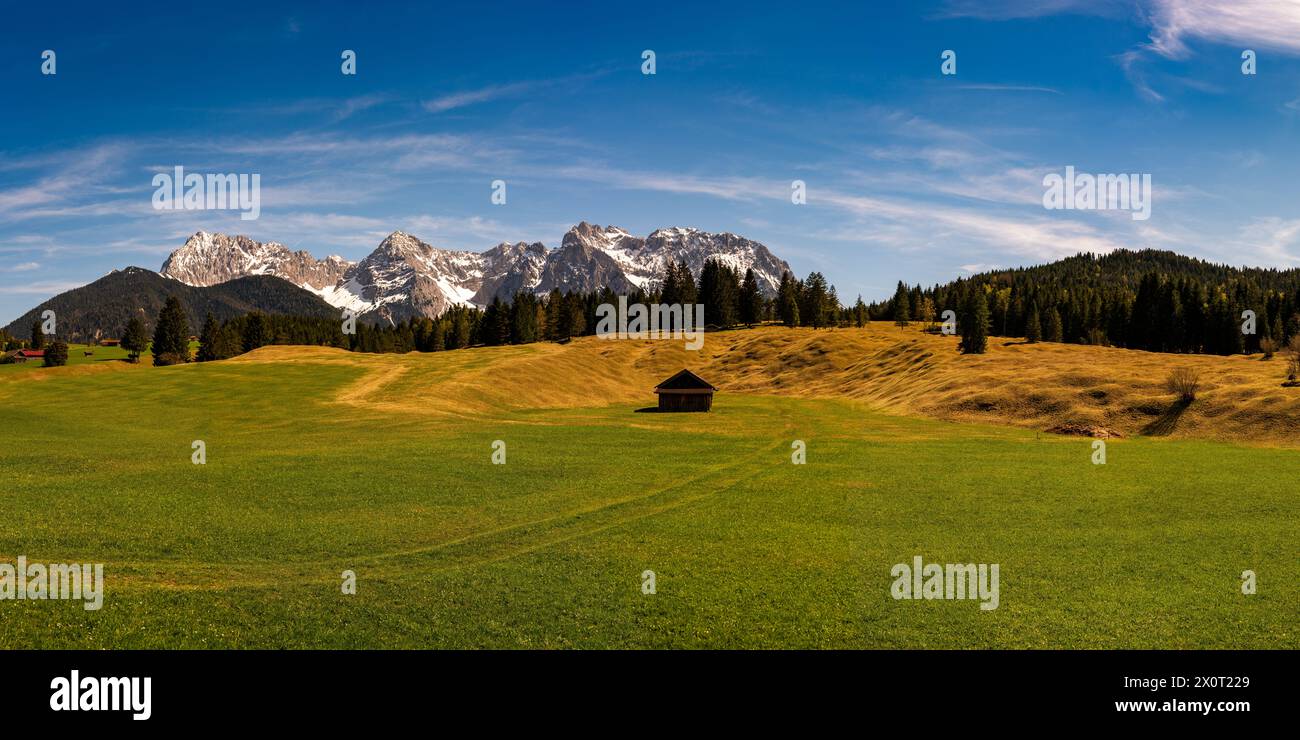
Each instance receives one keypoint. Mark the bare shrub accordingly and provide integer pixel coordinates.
(1268, 347)
(1184, 382)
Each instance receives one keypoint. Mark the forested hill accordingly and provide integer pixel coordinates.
(106, 305)
(1149, 299)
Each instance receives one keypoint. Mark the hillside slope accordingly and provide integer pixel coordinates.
(1064, 388)
(107, 304)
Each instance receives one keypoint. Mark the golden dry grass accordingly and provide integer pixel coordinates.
(1068, 388)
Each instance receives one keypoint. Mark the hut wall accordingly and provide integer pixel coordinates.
(669, 401)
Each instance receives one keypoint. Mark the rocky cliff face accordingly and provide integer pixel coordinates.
(211, 259)
(405, 276)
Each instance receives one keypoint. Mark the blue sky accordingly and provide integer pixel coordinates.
(910, 174)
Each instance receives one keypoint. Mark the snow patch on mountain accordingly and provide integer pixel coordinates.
(406, 277)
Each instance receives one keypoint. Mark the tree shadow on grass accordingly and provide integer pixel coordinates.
(648, 410)
(1165, 424)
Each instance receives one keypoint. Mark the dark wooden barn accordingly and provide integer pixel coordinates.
(685, 391)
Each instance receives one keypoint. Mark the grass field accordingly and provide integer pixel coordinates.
(77, 357)
(320, 461)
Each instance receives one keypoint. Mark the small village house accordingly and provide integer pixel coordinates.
(23, 355)
(685, 391)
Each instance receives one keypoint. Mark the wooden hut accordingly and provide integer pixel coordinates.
(685, 391)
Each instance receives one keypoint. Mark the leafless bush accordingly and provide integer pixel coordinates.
(1268, 347)
(1184, 382)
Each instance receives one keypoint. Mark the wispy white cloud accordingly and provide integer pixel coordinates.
(1257, 24)
(1131, 62)
(47, 288)
(76, 175)
(451, 101)
(464, 98)
(1009, 9)
(1270, 241)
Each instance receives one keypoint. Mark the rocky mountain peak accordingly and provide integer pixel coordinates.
(405, 276)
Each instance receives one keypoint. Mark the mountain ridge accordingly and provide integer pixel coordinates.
(405, 276)
(103, 307)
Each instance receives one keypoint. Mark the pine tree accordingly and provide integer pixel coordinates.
(495, 328)
(38, 336)
(256, 332)
(833, 307)
(438, 339)
(687, 291)
(575, 316)
(718, 293)
(523, 318)
(1033, 328)
(208, 339)
(135, 341)
(974, 323)
(751, 299)
(171, 335)
(813, 309)
(1054, 330)
(787, 307)
(56, 355)
(902, 314)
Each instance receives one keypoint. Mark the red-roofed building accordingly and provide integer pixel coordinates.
(23, 355)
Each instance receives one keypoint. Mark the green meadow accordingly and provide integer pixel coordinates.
(77, 356)
(548, 550)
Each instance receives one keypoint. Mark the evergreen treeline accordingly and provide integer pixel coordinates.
(730, 299)
(103, 308)
(1151, 300)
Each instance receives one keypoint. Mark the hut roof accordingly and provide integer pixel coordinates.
(685, 381)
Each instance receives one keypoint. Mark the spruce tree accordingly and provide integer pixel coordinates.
(171, 335)
(257, 333)
(135, 341)
(787, 306)
(687, 293)
(208, 340)
(813, 309)
(523, 318)
(38, 336)
(902, 299)
(717, 294)
(1033, 328)
(1054, 330)
(974, 323)
(56, 355)
(751, 299)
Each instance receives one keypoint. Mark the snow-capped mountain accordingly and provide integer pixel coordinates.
(210, 259)
(405, 277)
(644, 261)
